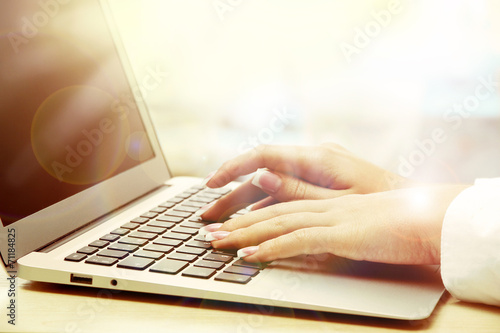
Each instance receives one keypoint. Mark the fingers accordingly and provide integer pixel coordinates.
(241, 197)
(281, 210)
(283, 187)
(257, 233)
(279, 186)
(286, 159)
(313, 240)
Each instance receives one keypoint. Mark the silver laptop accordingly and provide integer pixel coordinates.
(86, 197)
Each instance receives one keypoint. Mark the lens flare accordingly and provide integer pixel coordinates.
(85, 151)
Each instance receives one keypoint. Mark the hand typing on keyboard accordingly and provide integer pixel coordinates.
(290, 173)
(309, 201)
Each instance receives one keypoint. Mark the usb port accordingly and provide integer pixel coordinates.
(81, 279)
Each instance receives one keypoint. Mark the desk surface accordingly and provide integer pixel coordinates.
(43, 307)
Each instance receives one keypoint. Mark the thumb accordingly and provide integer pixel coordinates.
(283, 187)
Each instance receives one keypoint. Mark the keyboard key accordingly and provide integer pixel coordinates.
(202, 245)
(203, 200)
(209, 264)
(137, 263)
(199, 272)
(99, 243)
(160, 224)
(242, 270)
(113, 254)
(194, 204)
(209, 195)
(140, 220)
(158, 210)
(149, 254)
(105, 261)
(186, 209)
(174, 219)
(196, 218)
(133, 241)
(221, 191)
(192, 190)
(143, 235)
(235, 278)
(76, 257)
(183, 257)
(123, 247)
(168, 204)
(120, 231)
(199, 219)
(218, 257)
(199, 238)
(183, 195)
(149, 215)
(168, 266)
(194, 225)
(88, 250)
(176, 200)
(130, 226)
(109, 238)
(167, 242)
(159, 248)
(227, 252)
(183, 230)
(243, 211)
(191, 250)
(154, 230)
(178, 214)
(176, 235)
(244, 263)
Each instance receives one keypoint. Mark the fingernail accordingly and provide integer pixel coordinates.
(209, 228)
(216, 235)
(207, 178)
(247, 251)
(267, 181)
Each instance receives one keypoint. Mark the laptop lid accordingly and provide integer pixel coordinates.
(76, 139)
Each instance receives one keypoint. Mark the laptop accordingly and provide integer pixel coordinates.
(87, 199)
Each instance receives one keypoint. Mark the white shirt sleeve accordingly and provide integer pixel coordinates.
(470, 244)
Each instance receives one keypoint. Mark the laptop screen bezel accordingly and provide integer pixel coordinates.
(47, 225)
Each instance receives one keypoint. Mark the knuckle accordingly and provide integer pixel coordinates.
(324, 154)
(299, 190)
(301, 239)
(279, 210)
(280, 223)
(300, 236)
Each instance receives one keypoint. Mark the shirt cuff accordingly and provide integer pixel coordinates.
(470, 244)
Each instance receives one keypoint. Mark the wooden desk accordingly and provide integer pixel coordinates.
(43, 307)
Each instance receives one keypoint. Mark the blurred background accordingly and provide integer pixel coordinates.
(409, 85)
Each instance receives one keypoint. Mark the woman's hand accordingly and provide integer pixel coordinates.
(297, 173)
(399, 226)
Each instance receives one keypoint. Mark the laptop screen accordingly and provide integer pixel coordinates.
(68, 119)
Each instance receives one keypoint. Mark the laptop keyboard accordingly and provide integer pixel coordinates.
(165, 240)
